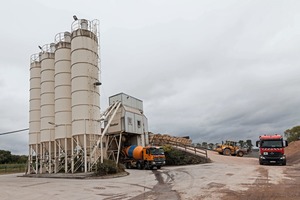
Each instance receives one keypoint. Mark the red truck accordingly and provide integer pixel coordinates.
(271, 149)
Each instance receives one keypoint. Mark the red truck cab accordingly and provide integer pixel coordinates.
(271, 149)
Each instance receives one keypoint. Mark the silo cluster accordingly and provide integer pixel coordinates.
(65, 101)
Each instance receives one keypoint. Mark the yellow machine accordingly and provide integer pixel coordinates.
(230, 148)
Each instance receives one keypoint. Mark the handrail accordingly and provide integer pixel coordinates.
(86, 24)
(198, 151)
(62, 37)
(201, 151)
(35, 58)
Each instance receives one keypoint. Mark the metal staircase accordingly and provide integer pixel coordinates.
(97, 151)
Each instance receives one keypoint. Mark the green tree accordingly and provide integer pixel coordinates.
(210, 145)
(5, 157)
(249, 145)
(198, 145)
(204, 145)
(292, 134)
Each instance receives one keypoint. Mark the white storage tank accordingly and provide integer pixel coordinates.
(47, 93)
(35, 100)
(62, 77)
(85, 78)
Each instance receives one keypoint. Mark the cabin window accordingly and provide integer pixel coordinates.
(129, 119)
(138, 123)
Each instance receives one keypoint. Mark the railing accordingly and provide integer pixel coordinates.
(62, 37)
(186, 147)
(78, 162)
(86, 24)
(34, 58)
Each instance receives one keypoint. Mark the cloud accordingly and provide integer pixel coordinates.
(212, 70)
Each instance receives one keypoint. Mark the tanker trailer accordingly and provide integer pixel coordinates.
(143, 157)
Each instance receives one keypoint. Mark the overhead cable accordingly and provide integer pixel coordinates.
(6, 133)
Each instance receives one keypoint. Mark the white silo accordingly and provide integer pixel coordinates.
(85, 93)
(63, 113)
(34, 113)
(47, 106)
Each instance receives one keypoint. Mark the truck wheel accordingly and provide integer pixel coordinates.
(158, 167)
(240, 154)
(284, 163)
(128, 165)
(260, 162)
(147, 166)
(226, 152)
(138, 165)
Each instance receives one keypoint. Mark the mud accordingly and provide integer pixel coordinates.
(263, 188)
(162, 190)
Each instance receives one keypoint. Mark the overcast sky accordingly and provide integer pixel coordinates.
(210, 69)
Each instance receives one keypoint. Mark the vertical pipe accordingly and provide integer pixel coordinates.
(41, 157)
(55, 157)
(101, 148)
(49, 153)
(29, 159)
(66, 154)
(72, 155)
(38, 146)
(85, 147)
(59, 151)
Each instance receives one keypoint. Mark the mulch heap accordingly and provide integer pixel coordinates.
(293, 152)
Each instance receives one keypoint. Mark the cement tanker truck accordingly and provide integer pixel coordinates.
(143, 157)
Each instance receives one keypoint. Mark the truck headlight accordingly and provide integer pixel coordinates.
(153, 162)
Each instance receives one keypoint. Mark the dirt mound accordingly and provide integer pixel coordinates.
(293, 152)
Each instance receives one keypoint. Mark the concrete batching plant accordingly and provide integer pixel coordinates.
(64, 117)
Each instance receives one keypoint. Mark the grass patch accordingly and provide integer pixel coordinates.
(12, 168)
(109, 167)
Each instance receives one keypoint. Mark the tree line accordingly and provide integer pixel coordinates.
(292, 134)
(7, 158)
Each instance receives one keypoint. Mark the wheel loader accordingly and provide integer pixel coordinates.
(230, 148)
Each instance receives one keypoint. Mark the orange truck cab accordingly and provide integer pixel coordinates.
(271, 149)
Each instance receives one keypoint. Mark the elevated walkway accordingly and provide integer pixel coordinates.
(179, 143)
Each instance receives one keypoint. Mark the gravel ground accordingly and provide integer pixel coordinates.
(227, 177)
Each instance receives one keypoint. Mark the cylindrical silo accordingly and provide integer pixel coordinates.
(47, 104)
(85, 90)
(34, 112)
(63, 113)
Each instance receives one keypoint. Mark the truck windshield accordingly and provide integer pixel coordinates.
(271, 143)
(157, 151)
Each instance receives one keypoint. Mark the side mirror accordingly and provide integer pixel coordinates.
(257, 143)
(286, 143)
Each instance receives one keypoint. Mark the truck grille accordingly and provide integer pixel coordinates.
(274, 154)
(159, 159)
